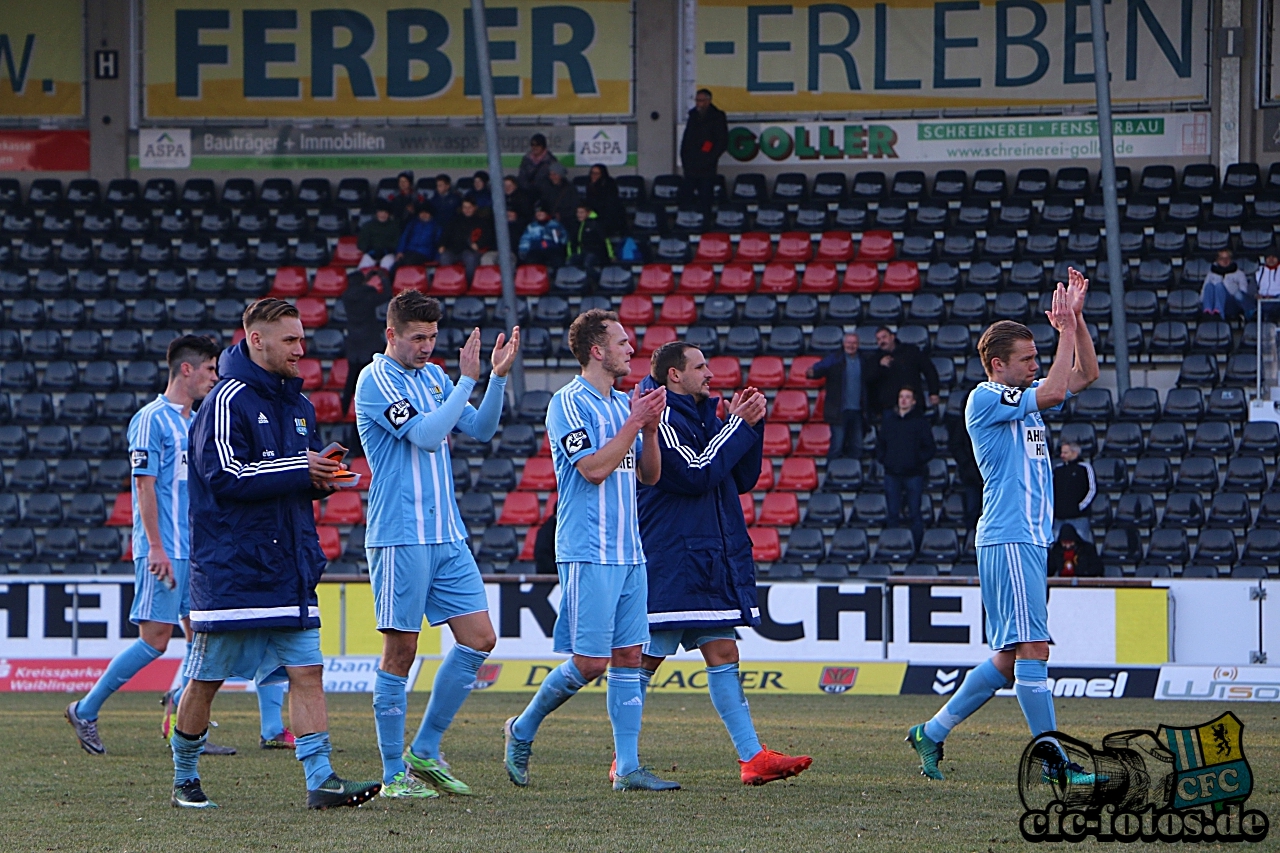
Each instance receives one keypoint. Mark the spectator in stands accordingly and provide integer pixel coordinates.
(534, 176)
(1269, 285)
(519, 209)
(602, 197)
(379, 239)
(588, 246)
(562, 199)
(544, 242)
(406, 200)
(446, 201)
(1074, 488)
(1225, 292)
(480, 189)
(366, 330)
(1073, 556)
(469, 238)
(706, 137)
(420, 242)
(968, 475)
(845, 373)
(905, 447)
(900, 365)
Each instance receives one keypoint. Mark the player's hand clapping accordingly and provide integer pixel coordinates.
(749, 404)
(647, 408)
(1062, 315)
(1077, 289)
(469, 356)
(504, 352)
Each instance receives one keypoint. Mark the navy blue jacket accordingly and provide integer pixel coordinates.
(701, 574)
(255, 555)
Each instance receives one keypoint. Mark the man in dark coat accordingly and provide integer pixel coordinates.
(1072, 556)
(900, 365)
(968, 475)
(706, 137)
(905, 447)
(697, 551)
(846, 372)
(366, 330)
(562, 199)
(469, 238)
(534, 176)
(519, 209)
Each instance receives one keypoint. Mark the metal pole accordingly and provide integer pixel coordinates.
(75, 620)
(1102, 84)
(500, 231)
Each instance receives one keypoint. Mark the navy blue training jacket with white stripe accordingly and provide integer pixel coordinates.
(698, 553)
(255, 555)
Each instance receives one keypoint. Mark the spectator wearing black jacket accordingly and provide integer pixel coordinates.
(366, 330)
(406, 200)
(1074, 488)
(967, 473)
(905, 447)
(706, 137)
(588, 246)
(900, 366)
(846, 373)
(469, 238)
(519, 209)
(602, 197)
(445, 203)
(534, 176)
(562, 199)
(1073, 556)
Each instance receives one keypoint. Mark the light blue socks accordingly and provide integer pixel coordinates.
(731, 704)
(389, 707)
(126, 665)
(452, 686)
(186, 755)
(1030, 678)
(557, 688)
(270, 703)
(626, 709)
(313, 751)
(978, 686)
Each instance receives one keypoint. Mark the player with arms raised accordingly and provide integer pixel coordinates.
(1015, 531)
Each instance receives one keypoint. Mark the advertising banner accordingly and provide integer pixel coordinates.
(41, 59)
(865, 56)
(320, 59)
(1065, 682)
(77, 675)
(1219, 683)
(964, 140)
(44, 150)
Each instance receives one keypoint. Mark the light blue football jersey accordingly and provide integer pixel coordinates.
(158, 448)
(594, 524)
(1011, 444)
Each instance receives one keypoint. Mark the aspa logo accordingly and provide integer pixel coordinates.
(486, 675)
(837, 679)
(164, 149)
(601, 144)
(165, 146)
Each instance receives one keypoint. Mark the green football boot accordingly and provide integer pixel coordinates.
(516, 755)
(405, 786)
(930, 753)
(436, 772)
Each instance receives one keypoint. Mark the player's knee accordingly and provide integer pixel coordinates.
(629, 657)
(720, 652)
(1033, 651)
(156, 634)
(484, 641)
(591, 668)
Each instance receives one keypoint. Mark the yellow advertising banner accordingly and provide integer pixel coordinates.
(42, 58)
(861, 55)
(383, 58)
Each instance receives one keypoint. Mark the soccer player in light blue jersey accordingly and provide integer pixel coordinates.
(600, 443)
(1014, 533)
(420, 564)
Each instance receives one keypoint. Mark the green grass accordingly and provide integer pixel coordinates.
(862, 793)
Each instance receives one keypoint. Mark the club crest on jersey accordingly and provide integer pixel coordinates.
(139, 458)
(486, 675)
(1011, 396)
(576, 441)
(437, 393)
(400, 413)
(837, 679)
(300, 425)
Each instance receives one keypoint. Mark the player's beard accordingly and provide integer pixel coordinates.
(616, 367)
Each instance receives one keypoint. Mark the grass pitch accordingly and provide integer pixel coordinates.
(862, 793)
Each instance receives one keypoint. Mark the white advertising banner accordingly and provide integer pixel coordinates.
(164, 149)
(1219, 683)
(596, 143)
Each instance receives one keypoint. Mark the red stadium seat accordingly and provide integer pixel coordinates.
(288, 283)
(315, 511)
(697, 278)
(530, 545)
(347, 253)
(755, 247)
(310, 373)
(237, 336)
(654, 337)
(736, 278)
(815, 440)
(794, 247)
(748, 503)
(343, 508)
(678, 309)
(861, 277)
(901, 277)
(520, 508)
(632, 339)
(636, 310)
(638, 371)
(819, 407)
(765, 546)
(799, 474)
(764, 483)
(330, 541)
(337, 380)
(532, 280)
(410, 278)
(835, 246)
(487, 281)
(714, 249)
(820, 277)
(328, 407)
(330, 282)
(121, 511)
(767, 371)
(360, 465)
(549, 511)
(876, 246)
(447, 281)
(778, 277)
(313, 312)
(656, 280)
(726, 372)
(777, 440)
(780, 509)
(539, 475)
(796, 375)
(790, 407)
(544, 449)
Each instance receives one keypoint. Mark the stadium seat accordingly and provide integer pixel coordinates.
(836, 247)
(411, 278)
(328, 407)
(814, 440)
(1246, 474)
(824, 509)
(1183, 510)
(1198, 474)
(499, 545)
(445, 282)
(766, 372)
(655, 280)
(343, 507)
(312, 311)
(876, 246)
(1216, 547)
(346, 253)
(1261, 549)
(487, 281)
(636, 310)
(765, 544)
(861, 277)
(777, 440)
(780, 509)
(778, 278)
(736, 278)
(798, 474)
(531, 280)
(539, 475)
(794, 247)
(754, 247)
(655, 337)
(895, 545)
(714, 248)
(790, 406)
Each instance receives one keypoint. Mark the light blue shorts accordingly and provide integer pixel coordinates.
(1015, 593)
(257, 653)
(663, 644)
(153, 601)
(410, 582)
(602, 608)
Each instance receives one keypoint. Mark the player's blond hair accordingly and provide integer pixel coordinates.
(999, 340)
(588, 330)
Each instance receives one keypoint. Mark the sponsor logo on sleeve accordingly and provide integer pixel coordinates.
(400, 413)
(139, 458)
(1011, 396)
(576, 441)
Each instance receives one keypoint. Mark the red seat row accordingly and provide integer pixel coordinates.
(780, 277)
(794, 246)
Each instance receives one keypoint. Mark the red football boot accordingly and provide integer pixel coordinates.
(769, 766)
